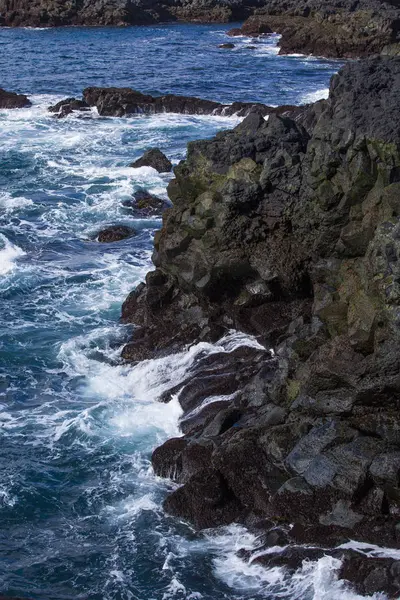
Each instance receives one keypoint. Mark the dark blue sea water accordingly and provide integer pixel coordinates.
(80, 509)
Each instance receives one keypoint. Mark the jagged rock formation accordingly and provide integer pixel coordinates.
(336, 28)
(13, 100)
(119, 102)
(121, 12)
(289, 230)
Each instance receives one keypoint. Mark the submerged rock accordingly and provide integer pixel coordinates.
(145, 204)
(154, 158)
(13, 100)
(115, 233)
(227, 46)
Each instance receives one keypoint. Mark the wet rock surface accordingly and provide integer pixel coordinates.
(13, 100)
(119, 102)
(288, 230)
(154, 158)
(334, 29)
(115, 233)
(68, 106)
(144, 204)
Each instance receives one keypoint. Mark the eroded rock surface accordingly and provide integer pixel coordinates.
(119, 102)
(288, 229)
(13, 100)
(336, 28)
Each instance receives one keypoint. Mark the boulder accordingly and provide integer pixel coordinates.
(154, 158)
(227, 46)
(115, 233)
(13, 100)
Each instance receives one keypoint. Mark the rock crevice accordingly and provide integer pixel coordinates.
(287, 229)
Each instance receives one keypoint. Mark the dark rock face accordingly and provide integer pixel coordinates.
(373, 575)
(288, 229)
(115, 233)
(154, 158)
(119, 102)
(121, 12)
(337, 28)
(68, 106)
(13, 100)
(145, 204)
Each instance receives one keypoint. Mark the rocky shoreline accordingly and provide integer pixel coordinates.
(334, 29)
(288, 230)
(337, 28)
(98, 13)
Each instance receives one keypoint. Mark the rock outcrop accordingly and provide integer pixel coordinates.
(68, 106)
(154, 158)
(13, 100)
(336, 28)
(53, 13)
(119, 102)
(288, 230)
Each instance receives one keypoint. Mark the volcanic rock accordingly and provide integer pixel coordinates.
(115, 233)
(145, 204)
(119, 102)
(68, 106)
(154, 158)
(13, 100)
(52, 13)
(288, 229)
(334, 29)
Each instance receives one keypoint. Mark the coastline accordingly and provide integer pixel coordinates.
(297, 449)
(286, 229)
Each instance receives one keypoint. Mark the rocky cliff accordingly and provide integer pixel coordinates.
(121, 12)
(288, 229)
(335, 28)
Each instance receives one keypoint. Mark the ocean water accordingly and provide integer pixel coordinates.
(80, 509)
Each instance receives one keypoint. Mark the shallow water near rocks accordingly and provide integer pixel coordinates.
(80, 509)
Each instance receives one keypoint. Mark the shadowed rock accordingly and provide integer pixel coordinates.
(154, 158)
(335, 28)
(53, 13)
(145, 204)
(13, 100)
(115, 233)
(68, 106)
(119, 102)
(288, 229)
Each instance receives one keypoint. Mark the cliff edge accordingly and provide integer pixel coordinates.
(287, 229)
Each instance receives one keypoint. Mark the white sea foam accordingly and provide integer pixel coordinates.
(9, 203)
(315, 580)
(9, 253)
(311, 97)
